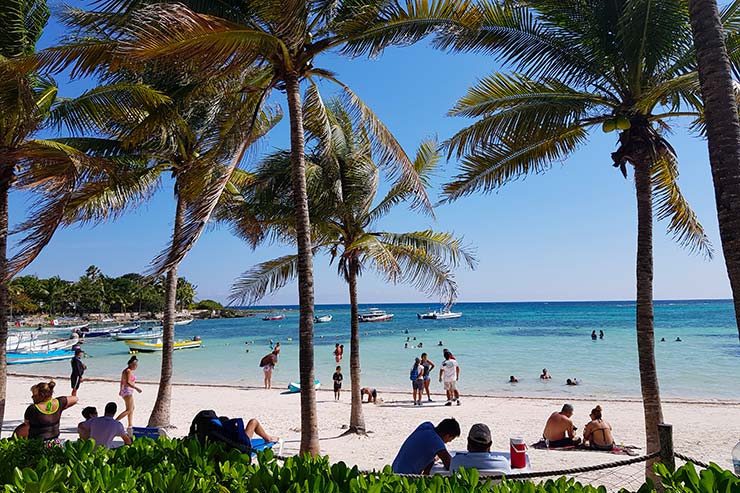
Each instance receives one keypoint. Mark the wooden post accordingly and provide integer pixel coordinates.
(665, 434)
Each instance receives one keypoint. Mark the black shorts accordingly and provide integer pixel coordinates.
(76, 380)
(565, 442)
(337, 386)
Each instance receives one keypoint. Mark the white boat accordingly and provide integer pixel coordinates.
(63, 328)
(426, 316)
(139, 336)
(322, 320)
(446, 314)
(183, 321)
(33, 343)
(374, 315)
(27, 358)
(108, 331)
(294, 387)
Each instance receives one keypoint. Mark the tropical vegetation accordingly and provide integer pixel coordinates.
(342, 181)
(95, 292)
(187, 466)
(52, 172)
(224, 38)
(714, 51)
(626, 66)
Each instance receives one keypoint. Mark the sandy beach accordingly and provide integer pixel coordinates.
(704, 430)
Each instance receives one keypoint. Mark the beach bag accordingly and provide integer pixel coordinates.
(207, 426)
(414, 373)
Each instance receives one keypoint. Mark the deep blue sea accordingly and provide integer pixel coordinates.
(491, 342)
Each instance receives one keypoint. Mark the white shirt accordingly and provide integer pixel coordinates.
(449, 368)
(483, 461)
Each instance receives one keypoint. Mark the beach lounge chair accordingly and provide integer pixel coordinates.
(148, 432)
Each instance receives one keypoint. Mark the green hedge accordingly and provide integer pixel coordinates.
(186, 466)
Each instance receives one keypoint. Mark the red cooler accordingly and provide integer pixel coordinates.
(518, 451)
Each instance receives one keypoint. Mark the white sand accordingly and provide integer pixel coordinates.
(705, 430)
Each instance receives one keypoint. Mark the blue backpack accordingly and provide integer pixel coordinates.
(414, 372)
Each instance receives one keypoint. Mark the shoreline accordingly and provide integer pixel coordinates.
(282, 386)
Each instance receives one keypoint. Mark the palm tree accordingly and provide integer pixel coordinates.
(342, 184)
(53, 169)
(198, 136)
(572, 74)
(723, 127)
(227, 36)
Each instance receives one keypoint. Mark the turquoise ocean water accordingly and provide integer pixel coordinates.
(491, 341)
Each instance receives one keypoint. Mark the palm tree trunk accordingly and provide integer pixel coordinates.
(356, 418)
(309, 425)
(160, 416)
(723, 132)
(645, 318)
(4, 298)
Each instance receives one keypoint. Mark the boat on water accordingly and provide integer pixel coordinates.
(41, 344)
(273, 316)
(374, 315)
(63, 328)
(139, 335)
(295, 387)
(322, 320)
(153, 347)
(108, 331)
(446, 314)
(183, 321)
(42, 357)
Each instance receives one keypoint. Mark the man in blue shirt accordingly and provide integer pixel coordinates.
(417, 453)
(479, 454)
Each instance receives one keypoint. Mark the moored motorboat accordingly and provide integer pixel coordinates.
(294, 387)
(445, 315)
(322, 320)
(152, 347)
(108, 331)
(273, 316)
(31, 342)
(374, 315)
(183, 321)
(426, 316)
(139, 335)
(41, 357)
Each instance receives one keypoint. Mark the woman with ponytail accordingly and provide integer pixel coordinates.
(598, 433)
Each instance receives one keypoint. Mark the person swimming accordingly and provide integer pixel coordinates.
(678, 339)
(513, 379)
(572, 382)
(545, 375)
(594, 336)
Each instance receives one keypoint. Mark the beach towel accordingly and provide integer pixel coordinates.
(630, 450)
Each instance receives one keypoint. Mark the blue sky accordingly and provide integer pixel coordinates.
(567, 234)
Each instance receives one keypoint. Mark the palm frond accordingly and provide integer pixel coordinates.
(264, 279)
(444, 246)
(497, 164)
(671, 204)
(386, 149)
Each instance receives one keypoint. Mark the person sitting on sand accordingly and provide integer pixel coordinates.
(559, 430)
(479, 454)
(545, 375)
(105, 428)
(598, 433)
(88, 413)
(513, 379)
(372, 394)
(416, 455)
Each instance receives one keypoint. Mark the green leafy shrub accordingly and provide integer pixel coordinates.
(187, 466)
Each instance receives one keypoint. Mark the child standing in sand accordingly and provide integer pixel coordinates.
(337, 382)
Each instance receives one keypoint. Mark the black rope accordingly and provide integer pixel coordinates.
(689, 459)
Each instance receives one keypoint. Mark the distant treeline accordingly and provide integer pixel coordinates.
(95, 292)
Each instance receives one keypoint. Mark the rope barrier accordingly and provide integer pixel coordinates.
(690, 459)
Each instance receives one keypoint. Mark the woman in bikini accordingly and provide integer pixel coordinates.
(598, 433)
(41, 419)
(128, 385)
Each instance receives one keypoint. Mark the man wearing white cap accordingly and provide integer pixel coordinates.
(479, 454)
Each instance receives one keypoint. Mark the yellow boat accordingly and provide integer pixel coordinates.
(151, 347)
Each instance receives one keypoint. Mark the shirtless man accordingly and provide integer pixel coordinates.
(559, 430)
